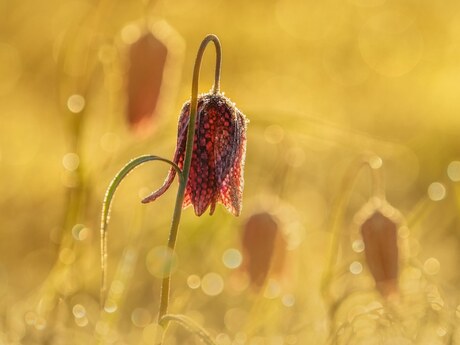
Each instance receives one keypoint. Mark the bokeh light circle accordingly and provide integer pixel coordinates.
(212, 284)
(232, 258)
(161, 262)
(436, 191)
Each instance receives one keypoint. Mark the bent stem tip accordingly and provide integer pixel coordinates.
(165, 287)
(374, 164)
(106, 209)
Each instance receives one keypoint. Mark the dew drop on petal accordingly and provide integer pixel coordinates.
(232, 258)
(193, 281)
(212, 284)
(436, 191)
(76, 103)
(453, 171)
(356, 267)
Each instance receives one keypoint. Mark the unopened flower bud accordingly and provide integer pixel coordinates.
(381, 249)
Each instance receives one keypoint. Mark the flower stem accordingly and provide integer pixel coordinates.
(190, 326)
(165, 286)
(108, 201)
(377, 190)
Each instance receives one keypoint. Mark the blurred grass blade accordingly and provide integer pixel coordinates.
(108, 200)
(190, 326)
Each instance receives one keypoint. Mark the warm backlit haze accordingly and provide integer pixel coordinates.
(327, 86)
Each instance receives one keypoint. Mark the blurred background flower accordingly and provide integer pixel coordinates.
(153, 65)
(264, 248)
(380, 241)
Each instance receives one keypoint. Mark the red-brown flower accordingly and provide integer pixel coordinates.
(219, 149)
(147, 61)
(380, 237)
(264, 248)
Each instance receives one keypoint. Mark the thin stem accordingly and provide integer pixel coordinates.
(340, 207)
(108, 201)
(165, 286)
(378, 184)
(190, 326)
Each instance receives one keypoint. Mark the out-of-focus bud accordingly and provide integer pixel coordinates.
(264, 249)
(152, 64)
(147, 59)
(381, 249)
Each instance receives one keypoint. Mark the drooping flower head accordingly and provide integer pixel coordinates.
(152, 69)
(147, 60)
(219, 149)
(264, 248)
(380, 237)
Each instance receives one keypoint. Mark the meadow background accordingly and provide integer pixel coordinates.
(322, 83)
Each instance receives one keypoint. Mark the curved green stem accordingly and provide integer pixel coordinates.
(108, 201)
(339, 208)
(191, 326)
(165, 286)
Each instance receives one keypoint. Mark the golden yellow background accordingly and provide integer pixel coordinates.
(322, 82)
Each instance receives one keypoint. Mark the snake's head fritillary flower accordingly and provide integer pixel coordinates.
(147, 61)
(219, 149)
(153, 63)
(381, 249)
(264, 248)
